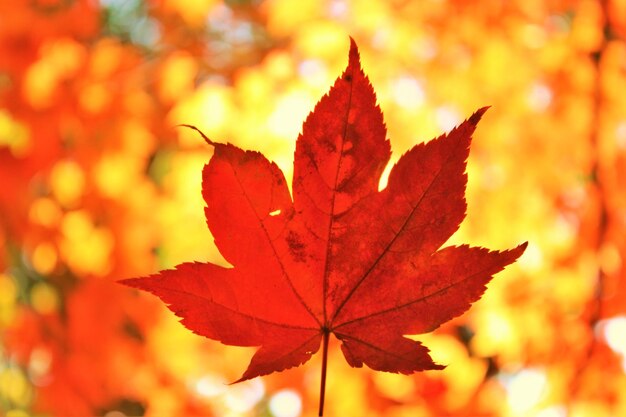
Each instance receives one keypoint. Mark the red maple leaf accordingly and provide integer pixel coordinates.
(341, 257)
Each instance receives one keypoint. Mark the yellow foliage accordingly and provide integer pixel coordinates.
(46, 212)
(14, 135)
(44, 298)
(193, 12)
(86, 248)
(177, 77)
(44, 258)
(67, 183)
(8, 293)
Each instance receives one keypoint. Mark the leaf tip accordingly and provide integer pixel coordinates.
(436, 367)
(353, 45)
(521, 248)
(478, 114)
(137, 283)
(128, 282)
(354, 57)
(241, 379)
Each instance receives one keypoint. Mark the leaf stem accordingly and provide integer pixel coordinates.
(324, 362)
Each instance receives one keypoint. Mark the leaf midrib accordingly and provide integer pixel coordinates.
(386, 250)
(332, 202)
(239, 312)
(421, 299)
(271, 244)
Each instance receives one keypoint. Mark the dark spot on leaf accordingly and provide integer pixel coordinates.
(329, 145)
(347, 77)
(296, 246)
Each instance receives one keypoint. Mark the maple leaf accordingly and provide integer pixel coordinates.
(341, 257)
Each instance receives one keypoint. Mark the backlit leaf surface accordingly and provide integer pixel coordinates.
(341, 257)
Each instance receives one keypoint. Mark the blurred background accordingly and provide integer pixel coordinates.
(97, 184)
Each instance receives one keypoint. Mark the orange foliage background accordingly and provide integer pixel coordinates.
(97, 184)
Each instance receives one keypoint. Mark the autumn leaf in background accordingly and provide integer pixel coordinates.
(342, 257)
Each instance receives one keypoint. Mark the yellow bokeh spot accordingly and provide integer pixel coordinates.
(14, 387)
(583, 408)
(60, 59)
(163, 402)
(44, 298)
(494, 60)
(177, 77)
(495, 334)
(94, 97)
(67, 182)
(287, 16)
(181, 216)
(395, 386)
(279, 65)
(45, 212)
(289, 113)
(44, 258)
(462, 374)
(138, 139)
(8, 293)
(84, 247)
(106, 58)
(574, 287)
(116, 174)
(8, 290)
(193, 12)
(17, 413)
(372, 15)
(14, 135)
(587, 26)
(253, 87)
(66, 55)
(171, 336)
(39, 84)
(324, 39)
